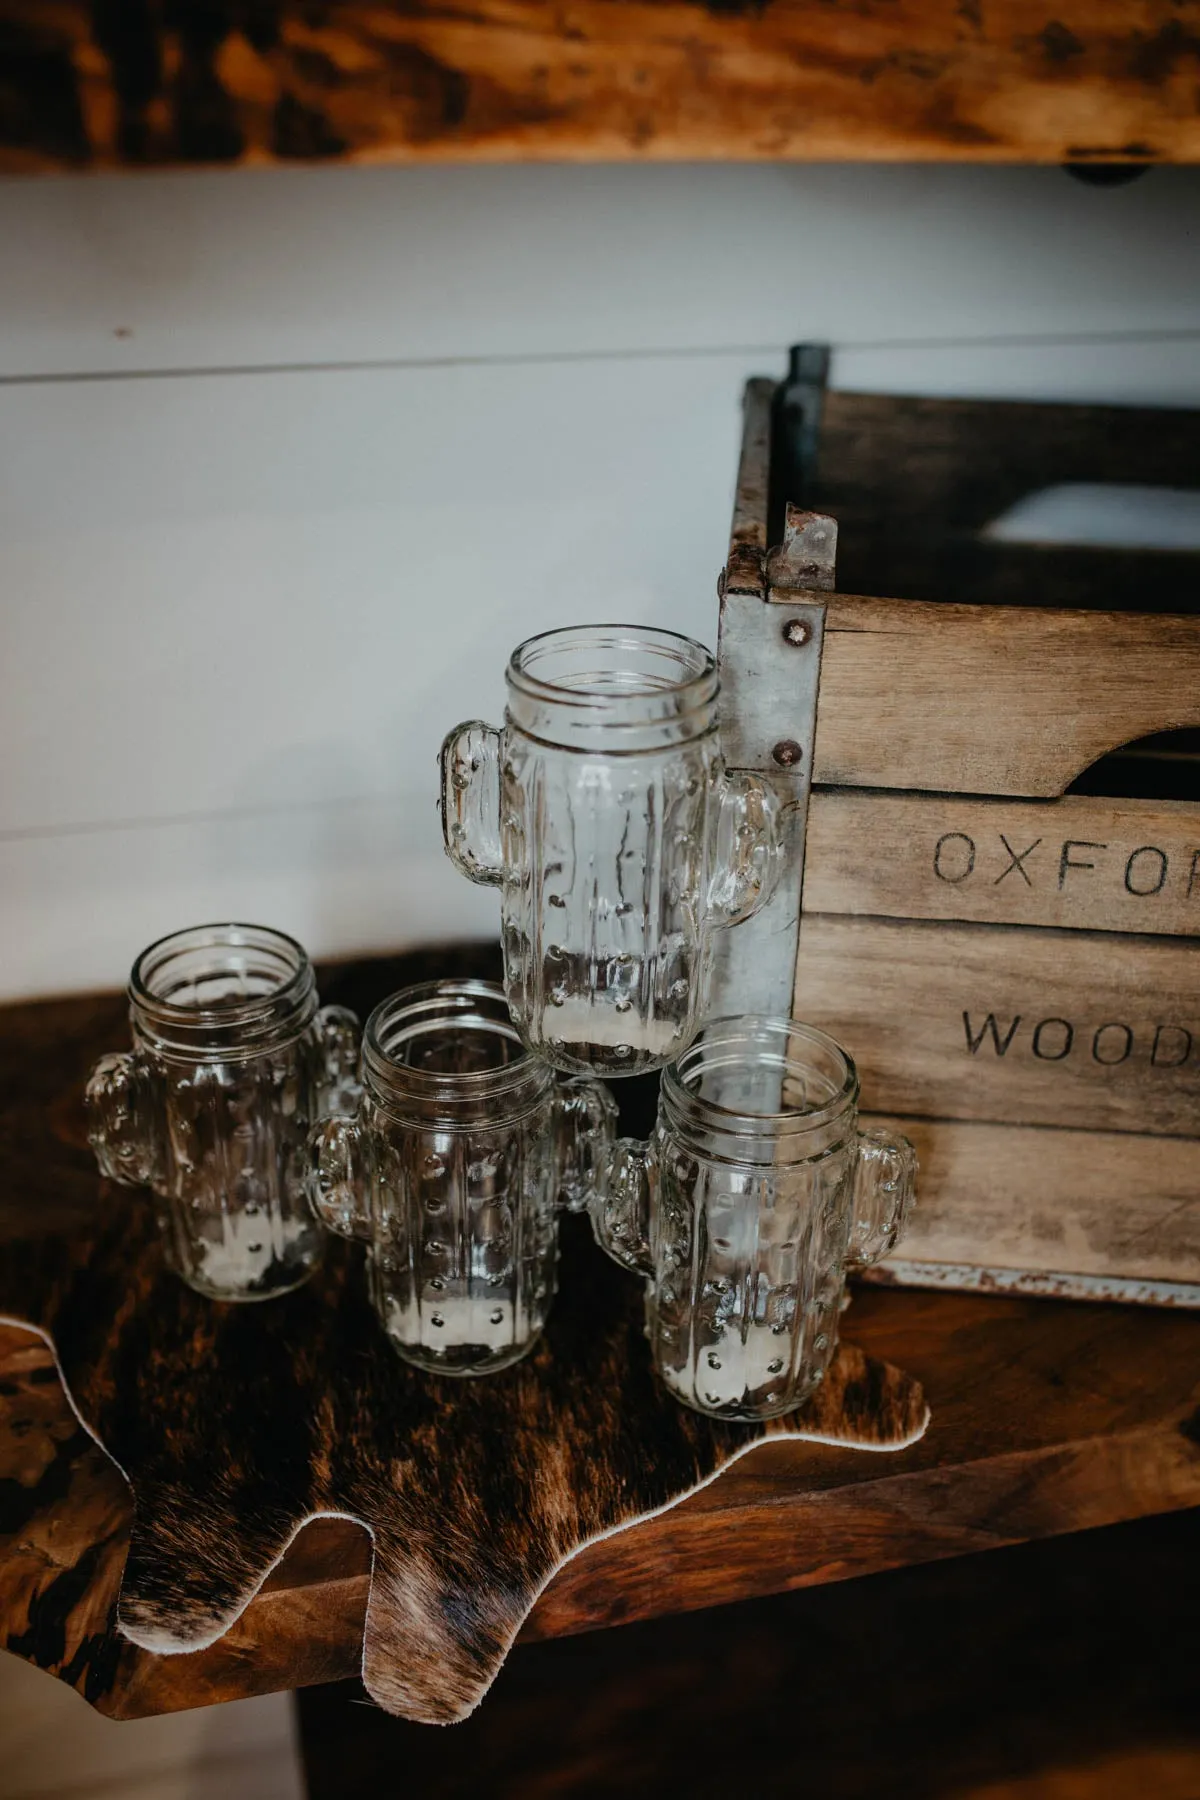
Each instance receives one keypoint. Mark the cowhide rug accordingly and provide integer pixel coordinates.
(235, 1425)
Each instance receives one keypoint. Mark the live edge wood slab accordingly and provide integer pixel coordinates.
(1047, 1418)
(119, 82)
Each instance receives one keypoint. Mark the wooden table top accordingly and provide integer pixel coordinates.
(1048, 1417)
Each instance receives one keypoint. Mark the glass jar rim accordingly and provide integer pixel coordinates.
(735, 1034)
(617, 689)
(287, 995)
(697, 662)
(467, 1002)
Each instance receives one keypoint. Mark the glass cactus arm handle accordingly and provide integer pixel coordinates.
(621, 1208)
(118, 1105)
(748, 848)
(470, 763)
(885, 1185)
(339, 1035)
(339, 1181)
(587, 1125)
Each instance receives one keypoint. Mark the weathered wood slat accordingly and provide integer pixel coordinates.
(1007, 962)
(745, 572)
(1080, 1029)
(1019, 80)
(1082, 863)
(907, 465)
(1032, 1197)
(993, 700)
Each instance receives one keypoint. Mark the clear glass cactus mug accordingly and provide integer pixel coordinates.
(752, 1200)
(463, 1148)
(604, 813)
(232, 1060)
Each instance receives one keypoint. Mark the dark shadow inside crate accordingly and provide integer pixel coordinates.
(1165, 766)
(918, 485)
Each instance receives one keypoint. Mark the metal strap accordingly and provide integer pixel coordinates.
(771, 635)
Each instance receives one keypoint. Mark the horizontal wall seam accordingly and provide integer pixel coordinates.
(651, 353)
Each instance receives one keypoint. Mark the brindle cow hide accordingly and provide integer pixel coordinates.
(235, 1425)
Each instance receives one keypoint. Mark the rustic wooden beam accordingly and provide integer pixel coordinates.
(133, 83)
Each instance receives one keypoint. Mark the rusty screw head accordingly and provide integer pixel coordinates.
(787, 753)
(797, 631)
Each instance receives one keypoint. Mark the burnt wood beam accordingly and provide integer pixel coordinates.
(135, 83)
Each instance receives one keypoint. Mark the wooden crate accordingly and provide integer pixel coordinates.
(1014, 966)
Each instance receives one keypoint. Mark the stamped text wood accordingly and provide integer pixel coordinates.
(1014, 80)
(1077, 863)
(1012, 965)
(1081, 1029)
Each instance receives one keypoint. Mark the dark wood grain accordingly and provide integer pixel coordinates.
(236, 1424)
(119, 82)
(1061, 1671)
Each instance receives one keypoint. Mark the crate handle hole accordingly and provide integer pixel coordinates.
(1165, 766)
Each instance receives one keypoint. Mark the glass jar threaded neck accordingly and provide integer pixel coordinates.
(617, 688)
(446, 1053)
(761, 1090)
(228, 990)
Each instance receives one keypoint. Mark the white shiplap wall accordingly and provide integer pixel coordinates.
(288, 461)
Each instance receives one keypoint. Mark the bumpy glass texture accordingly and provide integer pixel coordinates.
(603, 901)
(232, 1061)
(745, 1210)
(464, 1256)
(618, 840)
(453, 1170)
(749, 1270)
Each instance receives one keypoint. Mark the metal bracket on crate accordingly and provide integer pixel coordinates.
(771, 636)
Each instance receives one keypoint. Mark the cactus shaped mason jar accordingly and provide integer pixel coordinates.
(463, 1148)
(232, 1061)
(755, 1196)
(604, 813)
